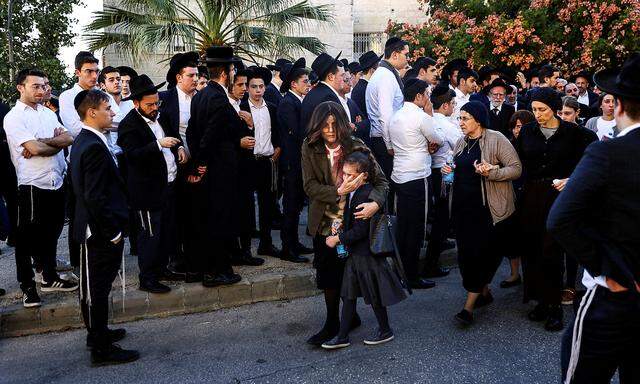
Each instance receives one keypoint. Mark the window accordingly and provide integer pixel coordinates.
(364, 42)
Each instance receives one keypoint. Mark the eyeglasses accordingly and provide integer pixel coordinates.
(157, 104)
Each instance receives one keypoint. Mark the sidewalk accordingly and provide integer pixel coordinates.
(275, 280)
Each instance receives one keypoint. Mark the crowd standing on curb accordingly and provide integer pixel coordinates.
(531, 167)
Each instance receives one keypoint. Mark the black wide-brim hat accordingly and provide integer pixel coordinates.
(278, 65)
(621, 81)
(141, 85)
(368, 60)
(259, 73)
(123, 70)
(220, 55)
(179, 61)
(586, 74)
(498, 83)
(354, 67)
(287, 72)
(323, 63)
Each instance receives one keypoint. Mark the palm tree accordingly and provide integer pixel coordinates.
(256, 29)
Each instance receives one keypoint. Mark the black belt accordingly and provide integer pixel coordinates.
(261, 157)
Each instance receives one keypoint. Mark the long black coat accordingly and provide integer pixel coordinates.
(363, 127)
(213, 137)
(146, 166)
(101, 200)
(500, 122)
(292, 132)
(272, 94)
(358, 94)
(170, 109)
(316, 96)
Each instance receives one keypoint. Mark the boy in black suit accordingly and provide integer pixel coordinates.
(101, 222)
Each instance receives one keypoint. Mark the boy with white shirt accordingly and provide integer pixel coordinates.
(87, 73)
(467, 80)
(110, 82)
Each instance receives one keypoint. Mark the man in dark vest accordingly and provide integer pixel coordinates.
(213, 139)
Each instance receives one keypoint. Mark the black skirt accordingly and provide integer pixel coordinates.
(372, 279)
(329, 268)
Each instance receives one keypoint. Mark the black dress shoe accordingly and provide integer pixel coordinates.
(288, 255)
(211, 281)
(436, 272)
(509, 284)
(303, 250)
(539, 313)
(379, 337)
(325, 334)
(246, 258)
(168, 275)
(483, 300)
(464, 317)
(154, 287)
(269, 250)
(336, 343)
(114, 335)
(554, 321)
(422, 284)
(112, 354)
(192, 277)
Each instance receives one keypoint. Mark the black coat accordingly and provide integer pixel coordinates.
(101, 200)
(7, 171)
(500, 122)
(358, 94)
(356, 232)
(146, 166)
(316, 96)
(213, 137)
(363, 127)
(170, 109)
(292, 132)
(481, 97)
(591, 110)
(272, 94)
(597, 216)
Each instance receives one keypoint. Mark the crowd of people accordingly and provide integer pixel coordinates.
(479, 156)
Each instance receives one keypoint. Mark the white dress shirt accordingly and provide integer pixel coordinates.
(494, 107)
(450, 134)
(22, 124)
(409, 130)
(172, 168)
(343, 101)
(461, 99)
(235, 103)
(584, 98)
(262, 128)
(587, 280)
(184, 106)
(68, 113)
(383, 98)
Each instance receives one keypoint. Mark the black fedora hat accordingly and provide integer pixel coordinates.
(368, 60)
(179, 61)
(141, 85)
(220, 55)
(485, 72)
(278, 65)
(621, 81)
(123, 70)
(498, 83)
(345, 64)
(288, 70)
(586, 74)
(259, 73)
(323, 63)
(354, 67)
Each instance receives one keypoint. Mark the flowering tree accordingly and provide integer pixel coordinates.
(573, 34)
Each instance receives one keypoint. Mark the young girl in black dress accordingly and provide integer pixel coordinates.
(365, 275)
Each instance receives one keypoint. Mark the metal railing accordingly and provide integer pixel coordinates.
(364, 42)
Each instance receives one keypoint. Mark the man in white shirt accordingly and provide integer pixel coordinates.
(383, 98)
(152, 150)
(264, 159)
(36, 140)
(467, 80)
(444, 103)
(110, 83)
(411, 131)
(87, 73)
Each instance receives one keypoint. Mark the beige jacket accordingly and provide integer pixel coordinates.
(497, 150)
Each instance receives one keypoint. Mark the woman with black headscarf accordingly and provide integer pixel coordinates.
(549, 149)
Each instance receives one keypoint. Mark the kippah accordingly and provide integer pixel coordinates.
(79, 98)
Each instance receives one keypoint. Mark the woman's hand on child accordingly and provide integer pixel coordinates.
(350, 184)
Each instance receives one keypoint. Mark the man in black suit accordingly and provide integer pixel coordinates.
(586, 97)
(272, 92)
(369, 63)
(331, 75)
(295, 87)
(213, 137)
(101, 223)
(152, 149)
(596, 219)
(266, 152)
(499, 112)
(182, 80)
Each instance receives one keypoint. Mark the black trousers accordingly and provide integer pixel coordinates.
(100, 261)
(157, 239)
(9, 192)
(440, 226)
(178, 260)
(70, 202)
(411, 207)
(264, 187)
(40, 222)
(385, 160)
(292, 204)
(610, 337)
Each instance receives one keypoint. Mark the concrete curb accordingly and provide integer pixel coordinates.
(15, 320)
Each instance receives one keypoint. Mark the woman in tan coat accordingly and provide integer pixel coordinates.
(482, 201)
(328, 143)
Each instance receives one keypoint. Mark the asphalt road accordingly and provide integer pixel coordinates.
(265, 343)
